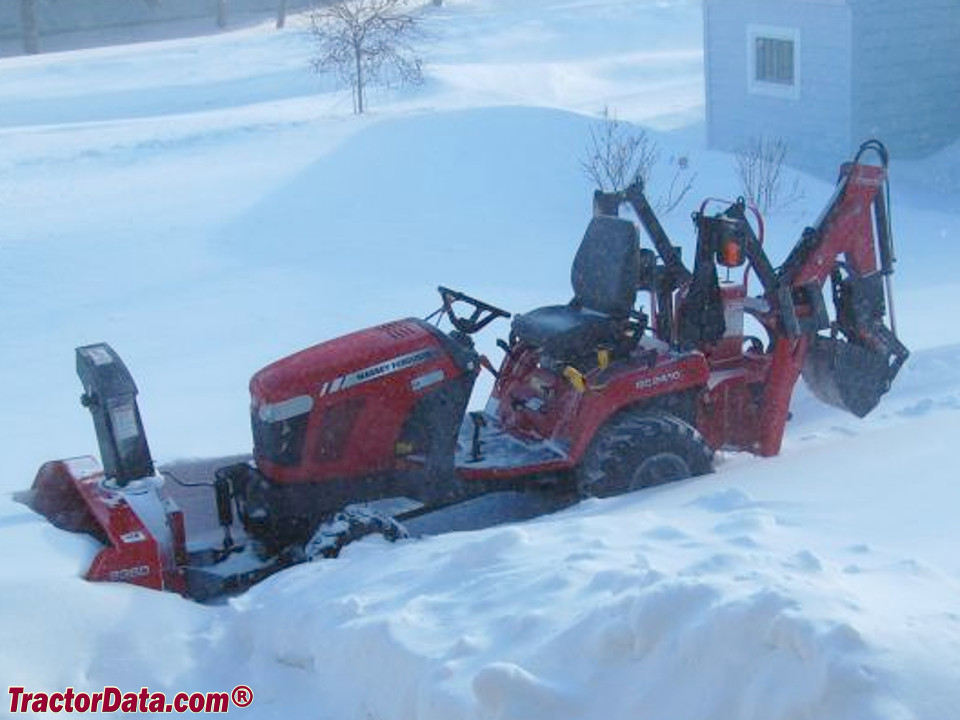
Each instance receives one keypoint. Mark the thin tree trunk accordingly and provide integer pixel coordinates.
(28, 22)
(358, 57)
(221, 13)
(282, 14)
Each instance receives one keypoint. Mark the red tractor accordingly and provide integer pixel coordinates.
(594, 397)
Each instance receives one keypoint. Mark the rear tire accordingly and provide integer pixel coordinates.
(641, 449)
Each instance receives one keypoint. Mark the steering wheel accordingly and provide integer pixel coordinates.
(483, 313)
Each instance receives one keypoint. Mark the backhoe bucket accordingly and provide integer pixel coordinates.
(850, 377)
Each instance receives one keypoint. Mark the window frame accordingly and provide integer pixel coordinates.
(763, 87)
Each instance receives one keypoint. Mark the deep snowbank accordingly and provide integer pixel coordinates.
(774, 588)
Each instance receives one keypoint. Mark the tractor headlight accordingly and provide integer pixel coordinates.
(285, 409)
(280, 429)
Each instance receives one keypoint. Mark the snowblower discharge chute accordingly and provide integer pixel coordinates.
(369, 433)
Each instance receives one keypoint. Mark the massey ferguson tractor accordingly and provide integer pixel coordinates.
(593, 397)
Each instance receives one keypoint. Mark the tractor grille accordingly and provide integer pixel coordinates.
(279, 441)
(400, 330)
(335, 428)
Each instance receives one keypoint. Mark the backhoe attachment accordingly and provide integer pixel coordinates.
(852, 243)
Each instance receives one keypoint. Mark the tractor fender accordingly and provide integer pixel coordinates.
(666, 385)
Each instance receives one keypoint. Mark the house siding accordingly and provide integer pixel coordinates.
(906, 74)
(816, 124)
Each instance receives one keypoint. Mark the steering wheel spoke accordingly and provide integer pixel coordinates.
(481, 316)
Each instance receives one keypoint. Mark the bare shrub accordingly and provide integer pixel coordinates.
(618, 154)
(759, 166)
(681, 180)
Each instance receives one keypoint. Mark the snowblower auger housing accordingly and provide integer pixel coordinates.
(369, 433)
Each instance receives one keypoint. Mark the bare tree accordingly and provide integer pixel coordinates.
(282, 14)
(28, 24)
(366, 42)
(759, 164)
(222, 18)
(619, 154)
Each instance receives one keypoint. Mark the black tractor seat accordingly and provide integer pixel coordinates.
(604, 279)
(564, 332)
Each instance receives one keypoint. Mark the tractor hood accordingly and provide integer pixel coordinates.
(304, 408)
(348, 361)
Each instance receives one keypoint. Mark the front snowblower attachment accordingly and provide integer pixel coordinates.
(853, 366)
(121, 505)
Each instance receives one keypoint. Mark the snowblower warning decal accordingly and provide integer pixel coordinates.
(377, 371)
(111, 700)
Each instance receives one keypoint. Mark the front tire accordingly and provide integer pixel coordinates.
(641, 449)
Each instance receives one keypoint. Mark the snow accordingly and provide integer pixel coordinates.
(206, 206)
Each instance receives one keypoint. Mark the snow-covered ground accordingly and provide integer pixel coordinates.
(206, 206)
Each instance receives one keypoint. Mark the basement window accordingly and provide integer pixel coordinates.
(773, 61)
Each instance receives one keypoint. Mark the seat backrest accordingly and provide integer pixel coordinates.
(604, 274)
